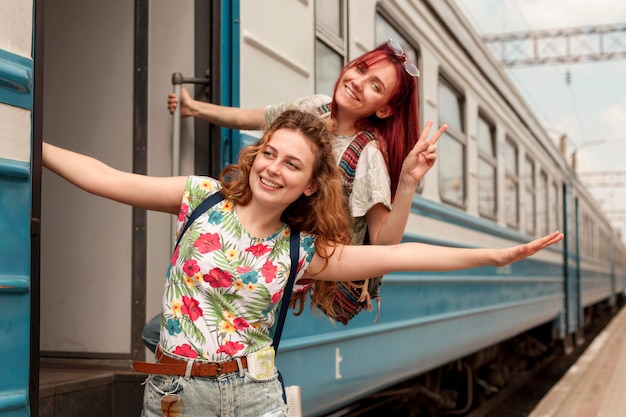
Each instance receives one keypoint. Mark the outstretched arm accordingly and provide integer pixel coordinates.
(152, 193)
(230, 117)
(386, 227)
(352, 263)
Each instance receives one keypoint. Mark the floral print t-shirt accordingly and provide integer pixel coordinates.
(371, 185)
(224, 286)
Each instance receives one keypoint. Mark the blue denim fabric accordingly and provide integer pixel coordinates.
(152, 333)
(226, 396)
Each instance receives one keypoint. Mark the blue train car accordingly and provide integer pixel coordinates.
(19, 211)
(500, 179)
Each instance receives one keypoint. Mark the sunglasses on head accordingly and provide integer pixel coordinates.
(410, 67)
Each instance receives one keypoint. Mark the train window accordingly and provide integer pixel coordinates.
(590, 235)
(594, 235)
(586, 232)
(451, 107)
(553, 214)
(330, 45)
(542, 203)
(386, 31)
(511, 193)
(584, 226)
(328, 64)
(452, 159)
(329, 15)
(486, 136)
(603, 247)
(530, 196)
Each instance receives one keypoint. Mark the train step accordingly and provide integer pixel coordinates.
(89, 392)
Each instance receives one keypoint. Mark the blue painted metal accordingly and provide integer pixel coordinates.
(16, 89)
(13, 403)
(613, 276)
(594, 287)
(15, 206)
(229, 76)
(16, 80)
(426, 320)
(573, 307)
(15, 169)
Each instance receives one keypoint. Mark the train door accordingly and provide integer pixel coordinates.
(572, 270)
(18, 199)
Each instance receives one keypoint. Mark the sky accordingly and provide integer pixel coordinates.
(591, 109)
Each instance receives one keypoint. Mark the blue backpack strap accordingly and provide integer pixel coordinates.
(294, 249)
(202, 207)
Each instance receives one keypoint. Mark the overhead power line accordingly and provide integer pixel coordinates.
(616, 215)
(559, 46)
(603, 179)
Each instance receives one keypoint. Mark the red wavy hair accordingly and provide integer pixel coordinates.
(398, 133)
(323, 214)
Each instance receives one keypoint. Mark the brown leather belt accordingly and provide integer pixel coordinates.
(172, 366)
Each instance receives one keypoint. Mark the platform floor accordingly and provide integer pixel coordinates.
(595, 386)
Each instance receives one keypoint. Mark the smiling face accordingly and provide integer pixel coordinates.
(365, 90)
(283, 170)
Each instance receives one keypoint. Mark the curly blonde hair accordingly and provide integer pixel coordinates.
(323, 214)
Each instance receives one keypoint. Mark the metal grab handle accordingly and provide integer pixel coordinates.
(178, 80)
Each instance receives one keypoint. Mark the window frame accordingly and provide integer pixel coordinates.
(491, 160)
(543, 203)
(513, 177)
(530, 196)
(458, 136)
(336, 43)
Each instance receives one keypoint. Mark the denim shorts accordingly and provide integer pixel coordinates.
(230, 395)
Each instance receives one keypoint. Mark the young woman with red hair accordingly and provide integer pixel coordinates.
(375, 92)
